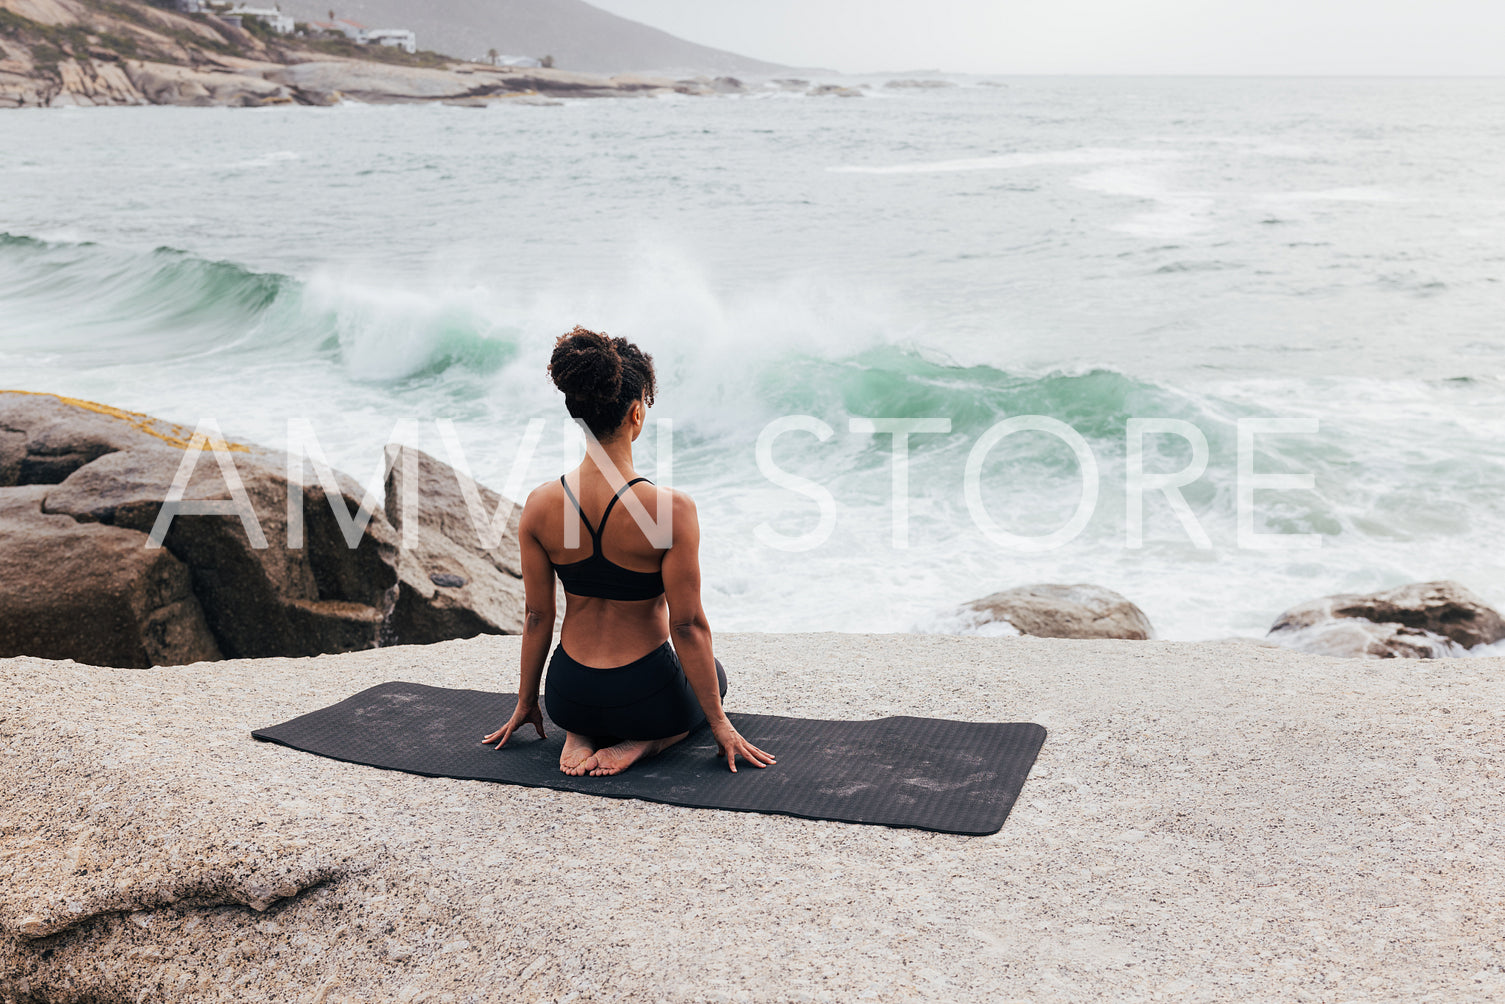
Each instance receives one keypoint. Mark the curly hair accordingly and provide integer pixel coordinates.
(601, 377)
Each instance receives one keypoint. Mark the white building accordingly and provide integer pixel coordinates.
(398, 38)
(279, 22)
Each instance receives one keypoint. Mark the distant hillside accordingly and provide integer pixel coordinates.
(577, 35)
(58, 53)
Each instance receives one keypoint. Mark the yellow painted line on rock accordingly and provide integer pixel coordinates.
(178, 436)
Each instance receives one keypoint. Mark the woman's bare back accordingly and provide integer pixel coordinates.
(597, 631)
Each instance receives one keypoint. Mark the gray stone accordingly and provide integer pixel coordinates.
(451, 584)
(1421, 620)
(106, 473)
(12, 455)
(46, 437)
(260, 601)
(372, 82)
(164, 84)
(1059, 611)
(92, 593)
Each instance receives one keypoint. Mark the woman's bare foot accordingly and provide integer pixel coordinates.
(615, 759)
(577, 750)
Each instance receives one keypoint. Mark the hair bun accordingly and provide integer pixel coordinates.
(587, 367)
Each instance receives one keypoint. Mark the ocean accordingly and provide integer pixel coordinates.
(1328, 253)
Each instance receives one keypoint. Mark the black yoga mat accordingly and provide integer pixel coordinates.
(930, 773)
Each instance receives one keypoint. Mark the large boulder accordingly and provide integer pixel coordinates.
(164, 84)
(1422, 620)
(259, 591)
(1060, 611)
(451, 583)
(371, 82)
(259, 600)
(92, 593)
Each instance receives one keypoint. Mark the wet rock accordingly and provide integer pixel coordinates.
(1422, 620)
(710, 85)
(1061, 611)
(834, 90)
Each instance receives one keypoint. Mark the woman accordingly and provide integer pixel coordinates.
(615, 685)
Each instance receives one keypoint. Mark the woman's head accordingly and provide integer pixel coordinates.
(601, 378)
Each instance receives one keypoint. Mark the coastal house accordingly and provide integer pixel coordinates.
(274, 19)
(399, 38)
(352, 30)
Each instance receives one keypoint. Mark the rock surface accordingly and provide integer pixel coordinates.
(834, 90)
(329, 80)
(92, 593)
(919, 84)
(86, 483)
(79, 53)
(1207, 822)
(453, 585)
(1422, 620)
(1058, 611)
(161, 84)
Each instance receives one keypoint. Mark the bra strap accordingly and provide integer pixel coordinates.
(614, 499)
(581, 512)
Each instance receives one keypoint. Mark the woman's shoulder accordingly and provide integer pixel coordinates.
(540, 500)
(547, 490)
(681, 506)
(660, 494)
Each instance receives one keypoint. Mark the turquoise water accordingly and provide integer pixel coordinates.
(1087, 250)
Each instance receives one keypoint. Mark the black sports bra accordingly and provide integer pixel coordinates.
(598, 577)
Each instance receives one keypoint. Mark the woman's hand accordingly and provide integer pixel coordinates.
(527, 711)
(730, 744)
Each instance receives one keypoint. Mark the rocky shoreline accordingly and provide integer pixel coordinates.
(84, 486)
(91, 53)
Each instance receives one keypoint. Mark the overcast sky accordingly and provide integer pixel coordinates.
(1097, 36)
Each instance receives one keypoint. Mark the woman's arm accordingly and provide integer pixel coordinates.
(692, 632)
(538, 622)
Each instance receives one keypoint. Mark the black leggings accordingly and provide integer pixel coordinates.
(646, 699)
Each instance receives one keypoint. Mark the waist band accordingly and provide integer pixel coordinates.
(612, 686)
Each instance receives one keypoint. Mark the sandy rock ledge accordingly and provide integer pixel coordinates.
(1207, 822)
